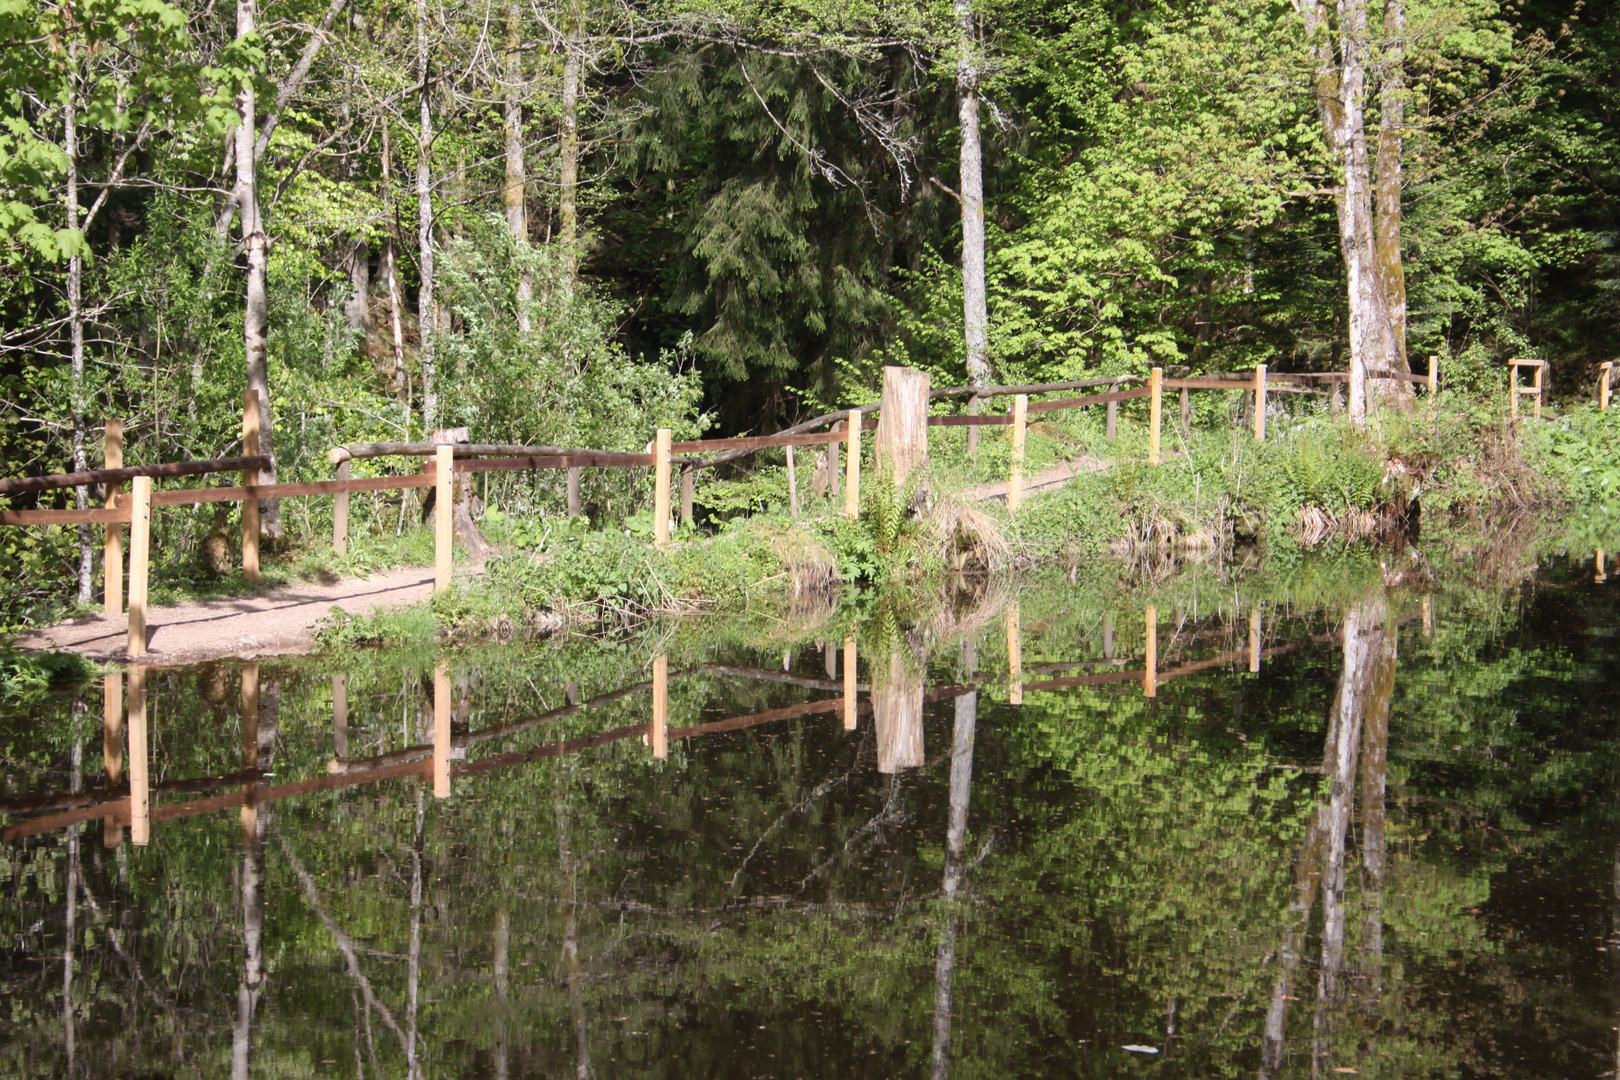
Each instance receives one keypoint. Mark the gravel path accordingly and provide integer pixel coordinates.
(274, 622)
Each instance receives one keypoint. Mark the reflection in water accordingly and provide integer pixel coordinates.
(660, 706)
(112, 749)
(1150, 668)
(441, 731)
(897, 702)
(259, 715)
(961, 789)
(140, 785)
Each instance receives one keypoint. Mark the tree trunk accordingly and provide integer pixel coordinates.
(75, 292)
(1341, 84)
(975, 317)
(256, 309)
(1391, 122)
(512, 135)
(426, 312)
(358, 308)
(568, 179)
(902, 431)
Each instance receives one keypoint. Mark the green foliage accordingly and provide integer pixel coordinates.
(26, 675)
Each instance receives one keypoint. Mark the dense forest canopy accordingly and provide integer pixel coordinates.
(562, 221)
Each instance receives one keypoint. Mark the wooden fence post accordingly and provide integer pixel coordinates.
(1015, 476)
(340, 511)
(834, 466)
(1150, 674)
(852, 467)
(849, 684)
(688, 483)
(140, 788)
(1434, 377)
(444, 463)
(140, 557)
(1603, 384)
(1254, 639)
(1156, 385)
(573, 491)
(1113, 410)
(1260, 403)
(660, 710)
(250, 477)
(112, 550)
(661, 488)
(793, 486)
(1015, 656)
(112, 748)
(1536, 382)
(441, 729)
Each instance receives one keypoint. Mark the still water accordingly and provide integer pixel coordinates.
(1042, 834)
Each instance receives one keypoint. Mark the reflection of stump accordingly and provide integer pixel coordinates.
(902, 432)
(462, 487)
(897, 711)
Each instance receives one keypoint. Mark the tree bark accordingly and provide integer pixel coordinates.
(1341, 85)
(256, 245)
(358, 308)
(517, 220)
(1391, 139)
(902, 433)
(75, 294)
(975, 316)
(568, 154)
(426, 312)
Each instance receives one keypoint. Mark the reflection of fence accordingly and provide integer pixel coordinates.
(133, 802)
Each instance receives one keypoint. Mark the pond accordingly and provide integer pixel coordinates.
(1036, 833)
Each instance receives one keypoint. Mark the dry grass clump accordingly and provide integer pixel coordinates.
(962, 537)
(811, 571)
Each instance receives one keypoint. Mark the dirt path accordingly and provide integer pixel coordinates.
(275, 622)
(1057, 474)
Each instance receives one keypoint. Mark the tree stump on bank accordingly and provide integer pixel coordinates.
(902, 431)
(462, 509)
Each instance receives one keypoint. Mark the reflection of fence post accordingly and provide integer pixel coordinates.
(1604, 370)
(1015, 657)
(441, 730)
(112, 748)
(112, 551)
(444, 464)
(573, 491)
(849, 684)
(793, 486)
(340, 716)
(1600, 575)
(250, 478)
(1428, 617)
(661, 488)
(140, 790)
(140, 557)
(250, 751)
(660, 710)
(1156, 385)
(340, 511)
(1150, 674)
(1254, 639)
(1015, 477)
(852, 468)
(1259, 403)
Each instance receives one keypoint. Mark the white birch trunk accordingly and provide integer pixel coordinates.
(1391, 139)
(512, 136)
(75, 293)
(568, 156)
(427, 313)
(975, 316)
(256, 308)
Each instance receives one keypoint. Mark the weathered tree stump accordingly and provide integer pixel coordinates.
(902, 431)
(897, 702)
(462, 509)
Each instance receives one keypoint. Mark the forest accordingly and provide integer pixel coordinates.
(570, 223)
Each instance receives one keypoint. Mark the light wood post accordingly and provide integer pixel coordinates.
(1428, 617)
(573, 491)
(1604, 371)
(849, 684)
(1434, 377)
(661, 488)
(441, 730)
(1015, 476)
(1156, 385)
(444, 464)
(340, 511)
(1513, 389)
(688, 484)
(793, 486)
(250, 478)
(852, 467)
(973, 429)
(1260, 403)
(1015, 656)
(140, 557)
(1254, 639)
(112, 551)
(140, 788)
(112, 748)
(660, 711)
(1150, 674)
(1535, 382)
(340, 717)
(1113, 410)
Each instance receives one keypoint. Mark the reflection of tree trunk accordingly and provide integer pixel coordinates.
(897, 715)
(503, 969)
(573, 978)
(260, 706)
(1374, 775)
(413, 955)
(70, 917)
(1365, 686)
(967, 715)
